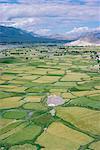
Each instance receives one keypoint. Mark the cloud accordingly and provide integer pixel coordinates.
(92, 2)
(35, 15)
(43, 32)
(47, 10)
(78, 32)
(25, 23)
(82, 30)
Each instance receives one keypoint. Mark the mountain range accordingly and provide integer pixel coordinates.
(88, 39)
(16, 35)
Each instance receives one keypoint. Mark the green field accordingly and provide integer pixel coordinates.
(26, 81)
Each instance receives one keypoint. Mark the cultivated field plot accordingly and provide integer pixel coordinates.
(26, 81)
(60, 137)
(81, 117)
(95, 146)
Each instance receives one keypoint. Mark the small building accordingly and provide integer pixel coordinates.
(98, 57)
(53, 112)
(54, 100)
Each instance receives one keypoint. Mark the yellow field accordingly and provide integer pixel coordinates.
(40, 71)
(96, 78)
(67, 84)
(11, 102)
(28, 77)
(69, 76)
(58, 90)
(11, 132)
(5, 122)
(97, 87)
(83, 118)
(55, 93)
(33, 98)
(95, 95)
(95, 146)
(75, 77)
(56, 72)
(16, 71)
(7, 77)
(63, 65)
(60, 137)
(82, 82)
(68, 95)
(7, 86)
(13, 88)
(86, 93)
(17, 82)
(23, 147)
(47, 79)
(2, 81)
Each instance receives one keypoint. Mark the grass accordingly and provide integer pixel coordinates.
(8, 60)
(34, 106)
(24, 87)
(23, 147)
(75, 77)
(97, 87)
(39, 71)
(12, 131)
(66, 84)
(44, 120)
(38, 89)
(95, 97)
(36, 63)
(33, 98)
(60, 90)
(82, 87)
(4, 122)
(60, 137)
(28, 77)
(83, 118)
(12, 88)
(67, 95)
(19, 82)
(85, 93)
(7, 86)
(15, 114)
(7, 77)
(2, 81)
(25, 134)
(95, 145)
(47, 79)
(56, 72)
(85, 102)
(9, 127)
(6, 95)
(11, 102)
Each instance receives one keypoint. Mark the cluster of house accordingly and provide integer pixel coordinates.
(98, 57)
(53, 101)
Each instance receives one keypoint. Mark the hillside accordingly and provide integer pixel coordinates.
(15, 35)
(89, 39)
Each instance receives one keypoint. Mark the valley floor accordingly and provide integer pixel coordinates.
(25, 119)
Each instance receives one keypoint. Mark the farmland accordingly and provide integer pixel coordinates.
(28, 76)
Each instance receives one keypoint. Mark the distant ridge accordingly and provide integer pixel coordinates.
(89, 39)
(81, 43)
(15, 35)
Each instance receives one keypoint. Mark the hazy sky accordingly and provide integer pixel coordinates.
(50, 16)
